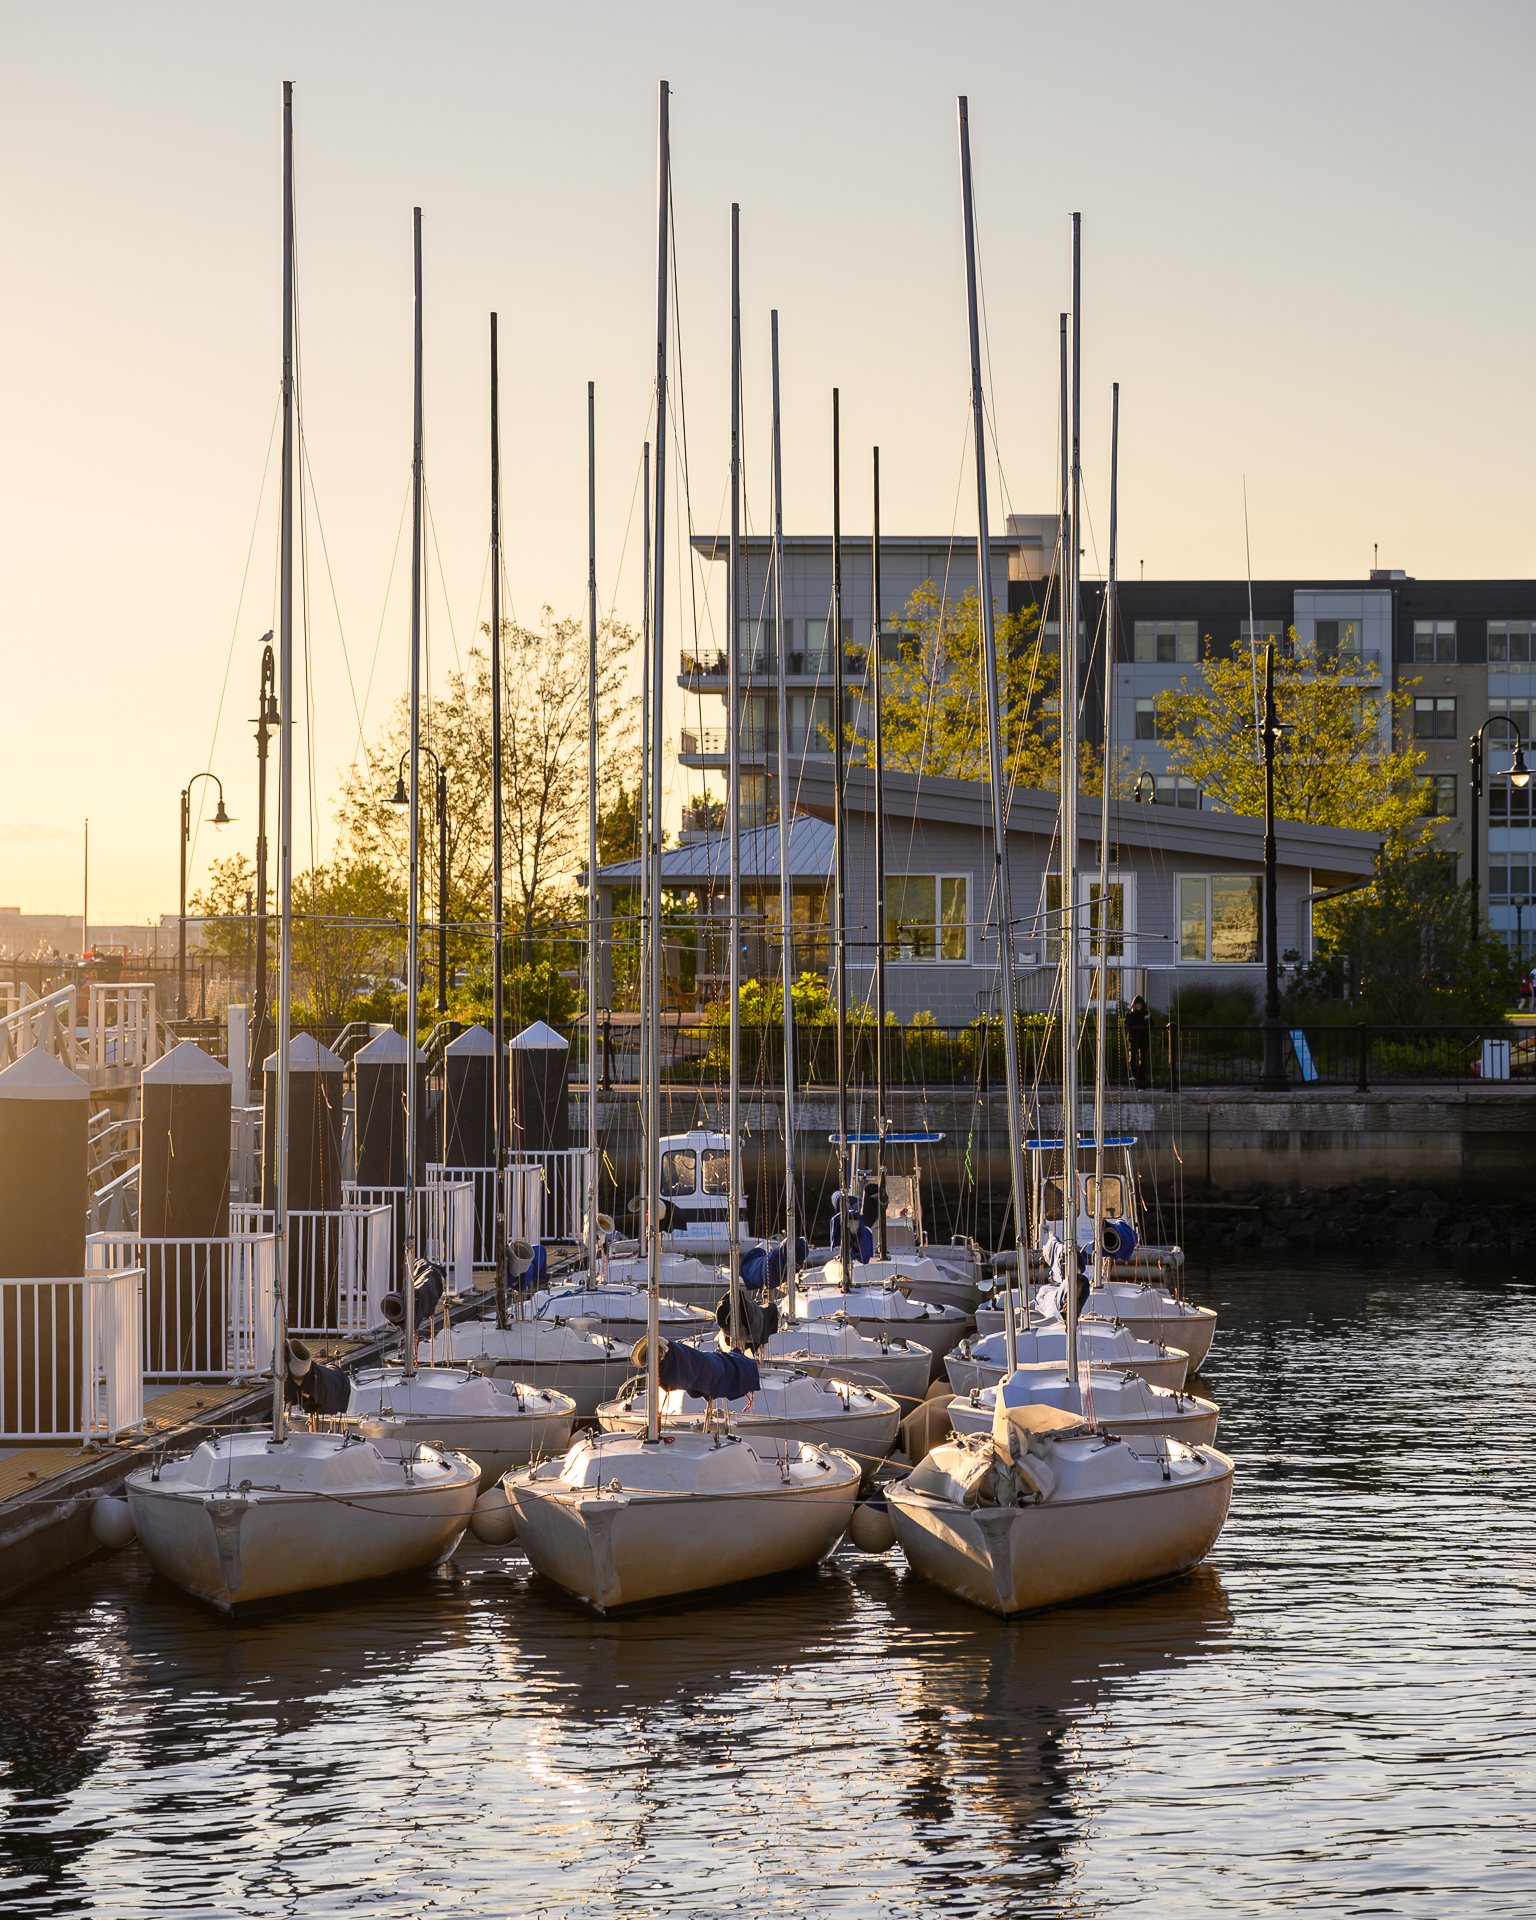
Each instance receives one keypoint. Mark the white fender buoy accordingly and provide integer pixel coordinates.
(111, 1522)
(494, 1520)
(870, 1527)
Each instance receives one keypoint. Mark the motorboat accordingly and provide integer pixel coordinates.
(982, 1362)
(787, 1405)
(244, 1517)
(557, 1355)
(1121, 1403)
(1043, 1510)
(622, 1520)
(696, 1190)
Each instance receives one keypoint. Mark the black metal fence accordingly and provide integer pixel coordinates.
(1359, 1056)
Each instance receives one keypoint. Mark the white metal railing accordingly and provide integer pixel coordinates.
(206, 1303)
(245, 1133)
(562, 1174)
(525, 1202)
(340, 1265)
(122, 1035)
(71, 1357)
(47, 1022)
(114, 1208)
(445, 1224)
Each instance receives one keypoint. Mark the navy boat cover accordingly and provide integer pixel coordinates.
(712, 1376)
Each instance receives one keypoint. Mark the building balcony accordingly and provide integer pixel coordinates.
(710, 746)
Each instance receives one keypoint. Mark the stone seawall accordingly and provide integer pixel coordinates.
(1475, 1142)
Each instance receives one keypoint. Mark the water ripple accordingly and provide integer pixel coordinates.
(1334, 1716)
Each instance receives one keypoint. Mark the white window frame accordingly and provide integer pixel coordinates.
(938, 958)
(1180, 959)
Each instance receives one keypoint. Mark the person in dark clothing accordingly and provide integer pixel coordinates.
(1138, 1040)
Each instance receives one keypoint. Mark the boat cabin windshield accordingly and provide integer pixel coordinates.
(1114, 1196)
(717, 1170)
(679, 1172)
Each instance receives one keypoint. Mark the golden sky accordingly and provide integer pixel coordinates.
(1307, 261)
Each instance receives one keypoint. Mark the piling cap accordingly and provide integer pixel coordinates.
(471, 1041)
(38, 1075)
(386, 1049)
(540, 1036)
(185, 1065)
(306, 1055)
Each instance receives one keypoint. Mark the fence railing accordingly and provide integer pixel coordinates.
(70, 1357)
(562, 1178)
(445, 1224)
(339, 1266)
(206, 1303)
(1173, 1055)
(245, 1132)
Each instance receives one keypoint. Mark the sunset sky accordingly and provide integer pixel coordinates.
(1308, 260)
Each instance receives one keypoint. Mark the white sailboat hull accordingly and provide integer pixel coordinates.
(1019, 1559)
(1190, 1329)
(1190, 1420)
(494, 1442)
(865, 1437)
(233, 1548)
(639, 1544)
(901, 1371)
(1169, 1371)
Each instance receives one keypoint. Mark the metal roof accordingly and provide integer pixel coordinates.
(707, 860)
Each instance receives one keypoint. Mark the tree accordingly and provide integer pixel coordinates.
(220, 905)
(1331, 767)
(933, 720)
(346, 922)
(544, 773)
(1408, 947)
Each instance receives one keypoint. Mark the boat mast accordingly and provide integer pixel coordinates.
(1103, 941)
(733, 780)
(786, 898)
(501, 1090)
(839, 861)
(645, 805)
(591, 834)
(413, 904)
(1069, 954)
(1003, 890)
(652, 982)
(285, 802)
(881, 1121)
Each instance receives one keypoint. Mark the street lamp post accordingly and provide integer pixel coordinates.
(1274, 1078)
(221, 821)
(400, 798)
(1519, 776)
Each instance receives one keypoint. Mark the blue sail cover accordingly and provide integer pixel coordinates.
(712, 1376)
(766, 1266)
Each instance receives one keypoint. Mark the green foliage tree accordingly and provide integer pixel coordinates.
(220, 904)
(544, 774)
(933, 714)
(346, 925)
(1332, 767)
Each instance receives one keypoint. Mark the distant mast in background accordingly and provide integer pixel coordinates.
(501, 1095)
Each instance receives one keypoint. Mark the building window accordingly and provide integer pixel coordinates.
(1336, 639)
(925, 916)
(1257, 635)
(818, 647)
(1147, 727)
(1166, 641)
(754, 643)
(1176, 792)
(1436, 639)
(1219, 919)
(898, 644)
(1434, 717)
(1509, 642)
(811, 722)
(1440, 796)
(1509, 877)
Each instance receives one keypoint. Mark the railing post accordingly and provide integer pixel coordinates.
(607, 1052)
(1363, 1082)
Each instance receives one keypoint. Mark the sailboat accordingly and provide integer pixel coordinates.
(500, 1421)
(632, 1517)
(260, 1514)
(1050, 1504)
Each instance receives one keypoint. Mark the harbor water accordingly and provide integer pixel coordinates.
(1337, 1714)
